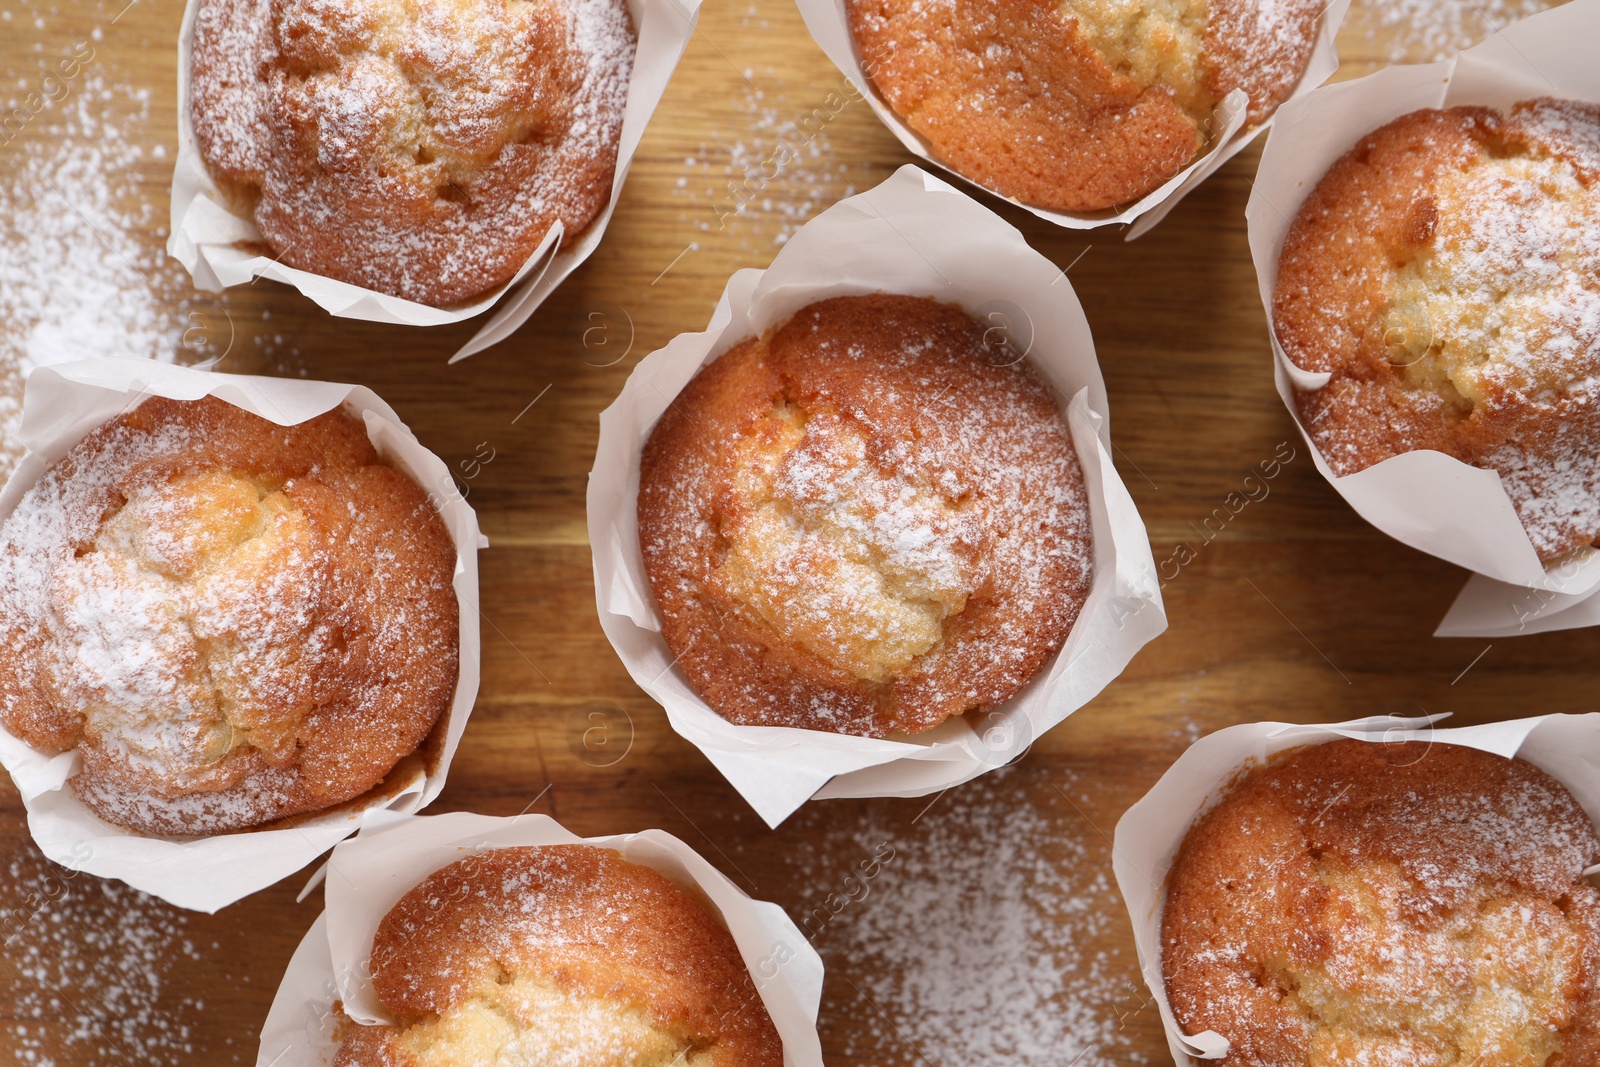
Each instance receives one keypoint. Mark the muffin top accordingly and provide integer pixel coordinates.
(421, 148)
(1368, 903)
(231, 621)
(1082, 105)
(558, 954)
(865, 522)
(1446, 274)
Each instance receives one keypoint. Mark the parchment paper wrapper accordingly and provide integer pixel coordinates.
(62, 404)
(1431, 501)
(204, 232)
(830, 27)
(913, 234)
(368, 875)
(1148, 836)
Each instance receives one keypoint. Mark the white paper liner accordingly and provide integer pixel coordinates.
(1148, 836)
(369, 874)
(62, 404)
(1426, 499)
(917, 235)
(830, 28)
(204, 232)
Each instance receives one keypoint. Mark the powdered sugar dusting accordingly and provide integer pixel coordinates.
(981, 934)
(90, 973)
(1424, 31)
(76, 280)
(774, 170)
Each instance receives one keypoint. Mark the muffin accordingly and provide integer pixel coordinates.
(558, 954)
(419, 149)
(231, 622)
(1446, 274)
(1077, 106)
(1368, 903)
(866, 521)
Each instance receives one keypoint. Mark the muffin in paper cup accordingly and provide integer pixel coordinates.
(63, 404)
(1429, 500)
(913, 235)
(1149, 834)
(830, 28)
(367, 875)
(221, 248)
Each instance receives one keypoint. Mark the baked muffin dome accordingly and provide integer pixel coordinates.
(422, 149)
(558, 954)
(1081, 105)
(1367, 903)
(231, 621)
(865, 522)
(1446, 273)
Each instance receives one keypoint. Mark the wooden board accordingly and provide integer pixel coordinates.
(1296, 610)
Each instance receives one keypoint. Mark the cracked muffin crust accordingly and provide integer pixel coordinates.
(231, 621)
(1409, 904)
(558, 954)
(1446, 274)
(1077, 105)
(867, 521)
(421, 148)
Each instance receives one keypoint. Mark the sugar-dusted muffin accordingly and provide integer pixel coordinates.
(421, 148)
(558, 954)
(231, 621)
(1446, 274)
(1080, 105)
(1358, 903)
(867, 521)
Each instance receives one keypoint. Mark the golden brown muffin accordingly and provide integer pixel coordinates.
(865, 522)
(421, 148)
(1083, 104)
(231, 621)
(1415, 905)
(561, 955)
(1446, 273)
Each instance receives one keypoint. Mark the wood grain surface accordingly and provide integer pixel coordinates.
(1296, 610)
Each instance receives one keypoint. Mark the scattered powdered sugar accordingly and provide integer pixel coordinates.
(76, 277)
(986, 932)
(89, 970)
(777, 169)
(1424, 31)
